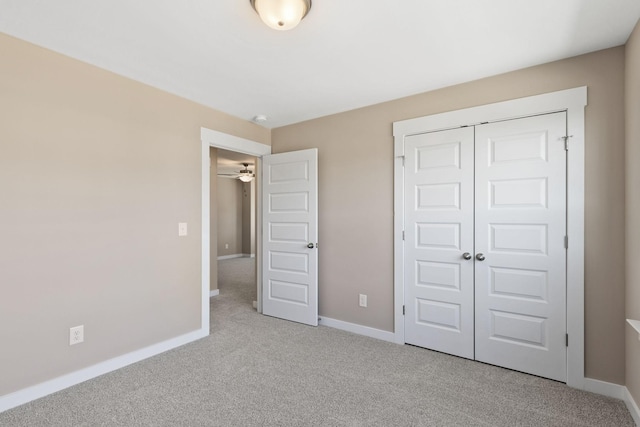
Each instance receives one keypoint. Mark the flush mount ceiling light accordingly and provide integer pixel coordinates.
(281, 14)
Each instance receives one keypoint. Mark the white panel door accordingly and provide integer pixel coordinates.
(290, 236)
(520, 265)
(438, 232)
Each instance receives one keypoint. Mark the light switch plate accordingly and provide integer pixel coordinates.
(362, 300)
(182, 229)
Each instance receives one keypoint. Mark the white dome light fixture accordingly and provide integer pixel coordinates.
(281, 14)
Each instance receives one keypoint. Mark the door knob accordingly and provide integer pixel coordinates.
(310, 245)
(466, 255)
(480, 257)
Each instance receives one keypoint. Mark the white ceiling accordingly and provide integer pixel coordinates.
(345, 54)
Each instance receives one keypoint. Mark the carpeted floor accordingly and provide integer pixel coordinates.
(255, 370)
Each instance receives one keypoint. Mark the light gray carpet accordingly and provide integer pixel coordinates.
(260, 371)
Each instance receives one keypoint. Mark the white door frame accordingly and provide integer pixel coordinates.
(211, 138)
(573, 101)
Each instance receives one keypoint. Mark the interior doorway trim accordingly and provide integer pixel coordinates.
(211, 138)
(573, 101)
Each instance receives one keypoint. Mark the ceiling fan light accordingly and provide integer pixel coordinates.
(281, 14)
(245, 174)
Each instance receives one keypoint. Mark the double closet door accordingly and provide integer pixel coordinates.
(485, 246)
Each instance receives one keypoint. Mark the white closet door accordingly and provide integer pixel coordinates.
(290, 227)
(438, 231)
(520, 265)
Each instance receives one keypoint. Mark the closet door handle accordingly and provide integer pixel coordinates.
(466, 255)
(480, 257)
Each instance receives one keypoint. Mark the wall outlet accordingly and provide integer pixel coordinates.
(226, 246)
(182, 229)
(76, 335)
(363, 300)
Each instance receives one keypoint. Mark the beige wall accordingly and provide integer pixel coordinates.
(632, 108)
(249, 218)
(356, 195)
(96, 171)
(229, 216)
(236, 217)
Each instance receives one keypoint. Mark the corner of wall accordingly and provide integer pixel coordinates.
(632, 217)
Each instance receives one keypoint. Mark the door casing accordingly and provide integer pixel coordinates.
(211, 138)
(573, 101)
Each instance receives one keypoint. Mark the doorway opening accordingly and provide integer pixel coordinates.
(233, 213)
(290, 192)
(214, 139)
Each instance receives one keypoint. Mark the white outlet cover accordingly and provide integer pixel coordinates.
(182, 229)
(76, 335)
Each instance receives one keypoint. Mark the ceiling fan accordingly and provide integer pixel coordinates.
(244, 175)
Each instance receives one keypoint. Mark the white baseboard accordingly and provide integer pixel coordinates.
(223, 257)
(214, 293)
(632, 406)
(616, 391)
(357, 329)
(37, 391)
(604, 388)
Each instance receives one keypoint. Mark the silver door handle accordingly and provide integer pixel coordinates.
(466, 255)
(310, 245)
(480, 257)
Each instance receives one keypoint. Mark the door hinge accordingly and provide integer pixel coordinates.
(566, 340)
(566, 142)
(566, 242)
(402, 234)
(402, 157)
(403, 310)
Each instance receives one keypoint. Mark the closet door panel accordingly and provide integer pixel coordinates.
(520, 223)
(438, 231)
